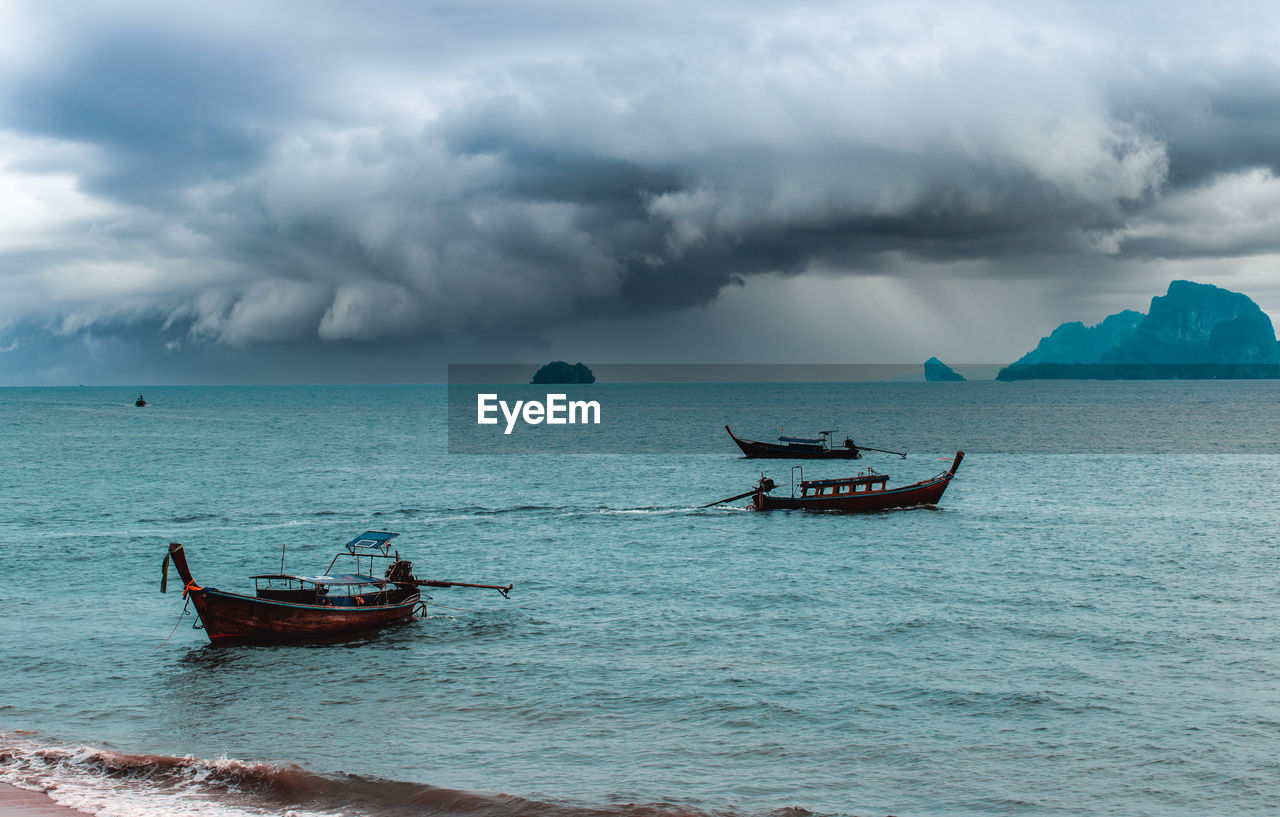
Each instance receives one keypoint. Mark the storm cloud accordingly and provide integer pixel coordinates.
(306, 176)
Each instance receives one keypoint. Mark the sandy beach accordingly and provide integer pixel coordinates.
(15, 802)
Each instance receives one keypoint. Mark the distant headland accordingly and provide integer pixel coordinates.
(558, 371)
(1192, 332)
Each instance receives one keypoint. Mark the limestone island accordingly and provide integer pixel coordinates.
(935, 371)
(557, 371)
(1192, 332)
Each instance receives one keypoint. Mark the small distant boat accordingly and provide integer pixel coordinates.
(287, 607)
(804, 448)
(866, 493)
(140, 403)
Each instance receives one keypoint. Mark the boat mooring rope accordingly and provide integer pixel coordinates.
(175, 626)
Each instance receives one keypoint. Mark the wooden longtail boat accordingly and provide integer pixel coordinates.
(799, 448)
(804, 448)
(862, 494)
(286, 607)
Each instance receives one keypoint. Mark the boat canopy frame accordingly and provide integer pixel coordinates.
(372, 544)
(870, 478)
(337, 580)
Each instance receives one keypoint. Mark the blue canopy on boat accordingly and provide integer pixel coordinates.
(371, 539)
(340, 579)
(804, 440)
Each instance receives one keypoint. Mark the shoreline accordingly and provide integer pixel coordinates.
(16, 802)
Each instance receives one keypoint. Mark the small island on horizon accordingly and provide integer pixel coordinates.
(558, 371)
(1192, 332)
(935, 371)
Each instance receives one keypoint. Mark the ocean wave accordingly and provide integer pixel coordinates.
(183, 519)
(652, 510)
(473, 510)
(117, 784)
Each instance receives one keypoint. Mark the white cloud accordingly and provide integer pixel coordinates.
(274, 310)
(40, 199)
(369, 310)
(1232, 214)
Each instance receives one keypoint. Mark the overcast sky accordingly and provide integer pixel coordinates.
(325, 192)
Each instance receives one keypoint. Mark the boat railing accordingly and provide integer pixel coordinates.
(794, 469)
(314, 590)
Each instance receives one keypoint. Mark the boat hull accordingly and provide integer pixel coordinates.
(753, 449)
(234, 618)
(922, 494)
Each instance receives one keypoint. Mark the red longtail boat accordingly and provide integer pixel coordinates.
(287, 607)
(861, 494)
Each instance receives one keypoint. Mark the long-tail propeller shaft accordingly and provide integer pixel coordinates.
(765, 485)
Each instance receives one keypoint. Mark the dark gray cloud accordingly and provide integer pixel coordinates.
(322, 180)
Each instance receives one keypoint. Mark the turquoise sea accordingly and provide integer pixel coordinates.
(1088, 624)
